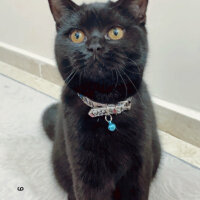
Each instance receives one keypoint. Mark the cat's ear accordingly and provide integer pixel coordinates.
(137, 7)
(59, 7)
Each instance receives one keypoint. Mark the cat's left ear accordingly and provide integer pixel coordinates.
(60, 7)
(137, 7)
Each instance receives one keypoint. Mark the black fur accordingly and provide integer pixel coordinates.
(90, 162)
(49, 120)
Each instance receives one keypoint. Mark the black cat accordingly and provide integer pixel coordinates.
(101, 51)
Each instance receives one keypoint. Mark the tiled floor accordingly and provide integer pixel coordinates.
(170, 144)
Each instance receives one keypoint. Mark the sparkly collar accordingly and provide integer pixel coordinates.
(99, 109)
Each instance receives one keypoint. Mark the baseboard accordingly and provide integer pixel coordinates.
(180, 122)
(29, 62)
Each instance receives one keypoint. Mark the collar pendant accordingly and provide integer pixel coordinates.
(111, 126)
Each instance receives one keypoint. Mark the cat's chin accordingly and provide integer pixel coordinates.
(105, 90)
(110, 97)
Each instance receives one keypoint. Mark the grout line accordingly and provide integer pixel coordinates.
(40, 70)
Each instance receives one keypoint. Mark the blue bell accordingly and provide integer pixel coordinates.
(111, 126)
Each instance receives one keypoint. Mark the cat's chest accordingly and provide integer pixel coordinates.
(105, 153)
(96, 131)
(94, 135)
(100, 150)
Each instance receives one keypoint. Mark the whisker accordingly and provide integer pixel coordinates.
(70, 74)
(117, 78)
(72, 77)
(133, 86)
(74, 72)
(80, 76)
(123, 81)
(79, 58)
(132, 62)
(133, 72)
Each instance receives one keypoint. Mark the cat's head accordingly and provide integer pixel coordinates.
(101, 48)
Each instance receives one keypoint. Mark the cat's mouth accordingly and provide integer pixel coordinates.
(94, 59)
(96, 67)
(97, 71)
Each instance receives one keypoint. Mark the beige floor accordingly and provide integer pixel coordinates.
(172, 145)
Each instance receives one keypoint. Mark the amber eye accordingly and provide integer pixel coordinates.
(77, 36)
(116, 33)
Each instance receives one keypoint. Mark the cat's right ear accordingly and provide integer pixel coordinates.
(60, 7)
(137, 8)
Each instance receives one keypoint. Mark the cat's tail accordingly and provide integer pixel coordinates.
(49, 120)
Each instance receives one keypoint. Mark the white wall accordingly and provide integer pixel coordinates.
(27, 24)
(174, 60)
(174, 34)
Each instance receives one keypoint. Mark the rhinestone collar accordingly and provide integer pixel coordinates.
(99, 109)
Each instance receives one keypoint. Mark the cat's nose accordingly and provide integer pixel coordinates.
(94, 47)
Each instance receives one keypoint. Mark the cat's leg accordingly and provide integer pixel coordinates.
(87, 192)
(135, 184)
(91, 178)
(60, 160)
(63, 173)
(52, 124)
